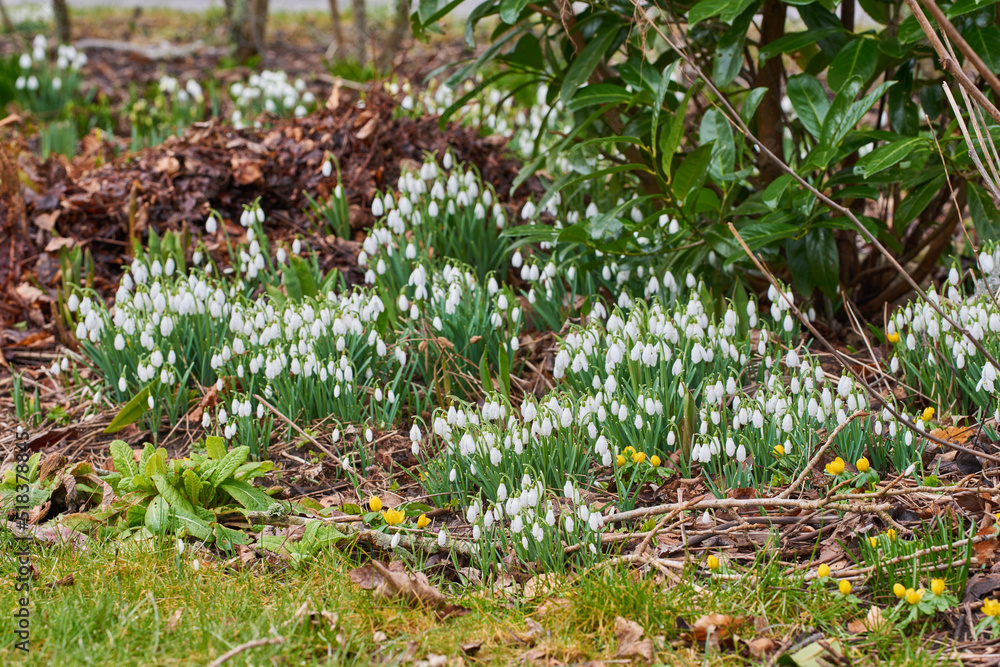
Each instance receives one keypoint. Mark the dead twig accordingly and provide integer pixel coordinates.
(232, 653)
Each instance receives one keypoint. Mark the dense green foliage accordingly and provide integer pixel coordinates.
(851, 101)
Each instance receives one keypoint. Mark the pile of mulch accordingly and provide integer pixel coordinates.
(72, 203)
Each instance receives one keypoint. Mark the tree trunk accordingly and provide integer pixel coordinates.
(61, 13)
(770, 128)
(338, 29)
(247, 27)
(360, 27)
(8, 27)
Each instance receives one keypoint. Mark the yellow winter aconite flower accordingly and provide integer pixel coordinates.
(835, 467)
(824, 570)
(844, 586)
(872, 540)
(862, 464)
(423, 521)
(713, 563)
(891, 533)
(913, 597)
(620, 460)
(928, 414)
(893, 337)
(638, 457)
(937, 586)
(375, 503)
(393, 517)
(629, 451)
(655, 461)
(899, 590)
(991, 607)
(779, 450)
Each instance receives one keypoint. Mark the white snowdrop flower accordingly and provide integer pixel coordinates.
(517, 259)
(953, 276)
(327, 169)
(122, 385)
(442, 538)
(528, 211)
(296, 247)
(395, 540)
(119, 342)
(368, 435)
(986, 262)
(377, 207)
(150, 402)
(786, 423)
(741, 453)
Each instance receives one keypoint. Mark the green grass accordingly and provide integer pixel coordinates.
(122, 609)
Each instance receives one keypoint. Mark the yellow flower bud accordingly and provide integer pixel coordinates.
(928, 414)
(423, 521)
(844, 586)
(899, 590)
(620, 460)
(873, 541)
(638, 457)
(654, 461)
(893, 337)
(862, 464)
(912, 596)
(937, 586)
(891, 534)
(779, 450)
(375, 503)
(713, 563)
(824, 570)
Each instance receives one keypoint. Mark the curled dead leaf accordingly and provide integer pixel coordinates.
(630, 641)
(394, 582)
(872, 621)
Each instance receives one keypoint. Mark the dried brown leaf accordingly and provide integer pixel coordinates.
(630, 641)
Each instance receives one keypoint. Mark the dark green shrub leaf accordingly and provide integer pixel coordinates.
(886, 156)
(984, 213)
(585, 63)
(809, 101)
(858, 58)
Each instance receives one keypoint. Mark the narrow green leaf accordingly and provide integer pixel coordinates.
(131, 413)
(886, 156)
(795, 41)
(775, 191)
(824, 260)
(751, 103)
(599, 93)
(691, 174)
(759, 234)
(916, 201)
(585, 63)
(504, 370)
(984, 213)
(484, 373)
